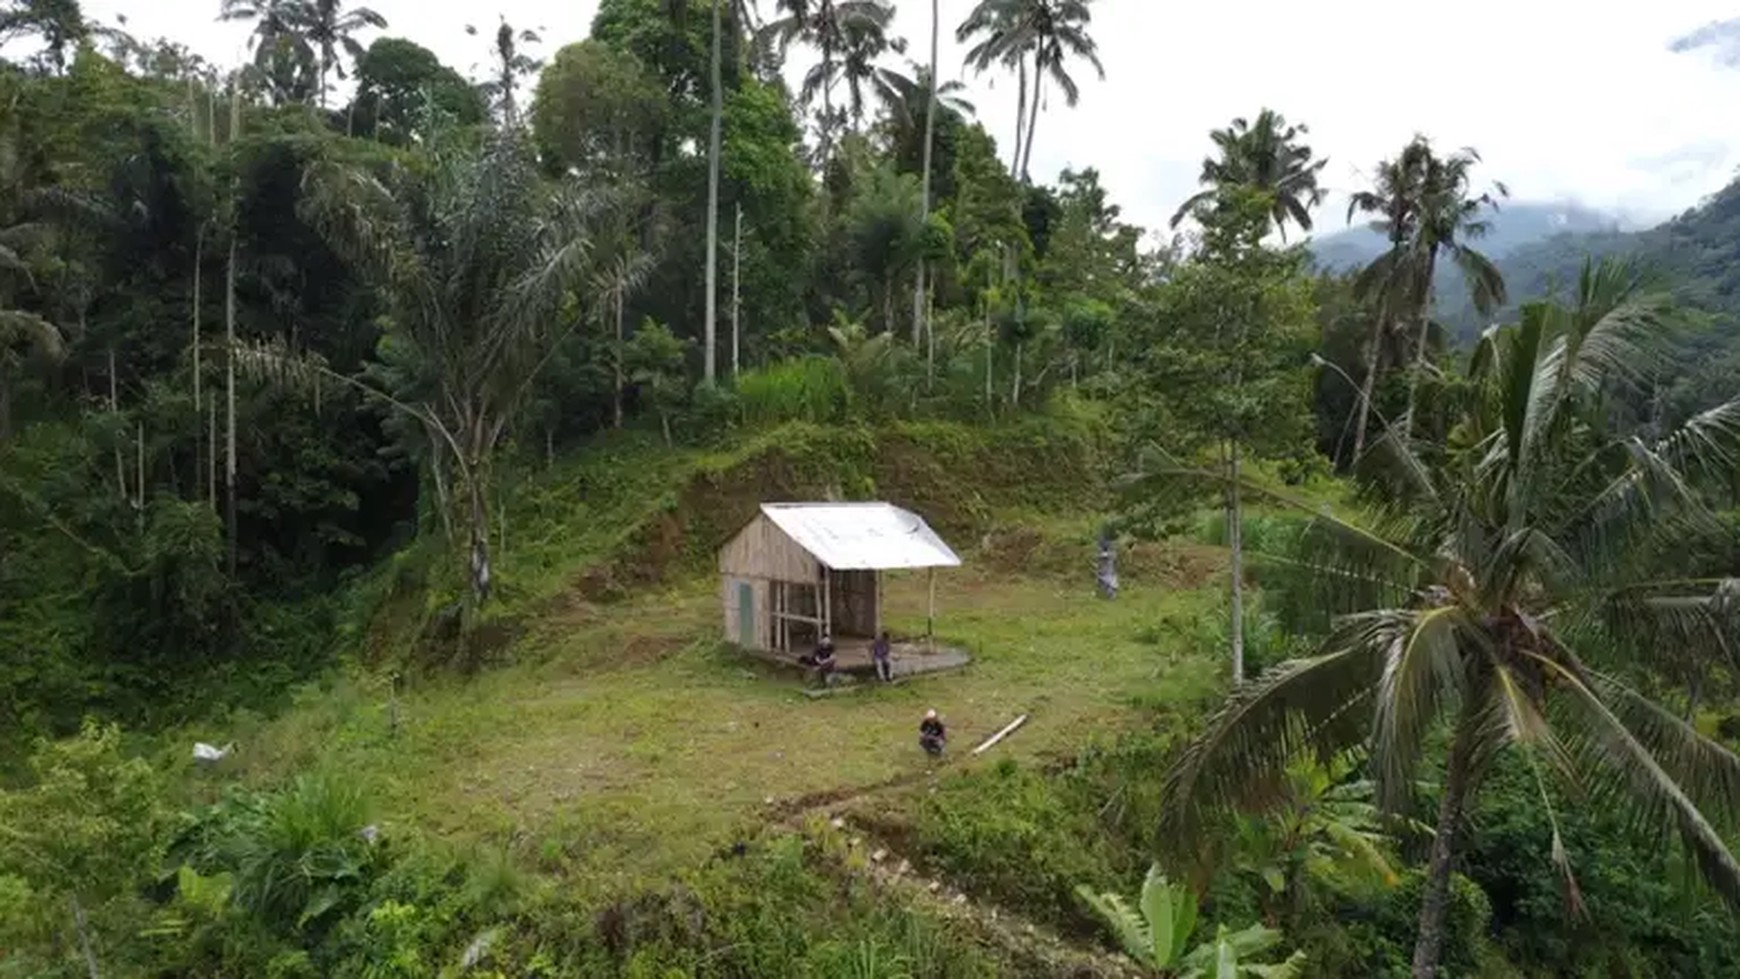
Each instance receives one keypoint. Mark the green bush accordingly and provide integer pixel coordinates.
(1020, 839)
(1642, 915)
(807, 389)
(300, 857)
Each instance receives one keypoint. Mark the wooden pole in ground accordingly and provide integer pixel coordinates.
(930, 615)
(878, 604)
(827, 611)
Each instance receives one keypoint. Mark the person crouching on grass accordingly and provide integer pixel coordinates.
(931, 734)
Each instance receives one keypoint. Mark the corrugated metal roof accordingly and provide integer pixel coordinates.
(862, 536)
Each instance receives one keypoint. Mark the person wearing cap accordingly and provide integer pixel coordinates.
(824, 658)
(931, 733)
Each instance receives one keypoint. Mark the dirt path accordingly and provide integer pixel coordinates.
(854, 851)
(1032, 948)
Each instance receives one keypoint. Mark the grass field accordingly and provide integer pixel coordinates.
(626, 743)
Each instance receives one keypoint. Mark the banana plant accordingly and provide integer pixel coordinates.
(1157, 935)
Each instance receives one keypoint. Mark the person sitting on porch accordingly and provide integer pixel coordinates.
(823, 661)
(880, 657)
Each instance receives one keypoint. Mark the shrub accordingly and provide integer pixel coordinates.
(808, 389)
(1020, 838)
(299, 856)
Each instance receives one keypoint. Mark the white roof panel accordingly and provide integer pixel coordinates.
(862, 536)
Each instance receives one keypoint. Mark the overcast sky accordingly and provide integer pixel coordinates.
(1563, 102)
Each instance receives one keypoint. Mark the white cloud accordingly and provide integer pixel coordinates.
(1562, 100)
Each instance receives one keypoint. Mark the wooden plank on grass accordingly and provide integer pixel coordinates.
(1000, 735)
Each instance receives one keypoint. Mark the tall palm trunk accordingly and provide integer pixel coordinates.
(1032, 118)
(710, 359)
(1367, 387)
(929, 136)
(1020, 117)
(737, 294)
(827, 104)
(230, 348)
(1422, 325)
(1435, 903)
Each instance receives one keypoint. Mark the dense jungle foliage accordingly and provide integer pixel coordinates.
(385, 422)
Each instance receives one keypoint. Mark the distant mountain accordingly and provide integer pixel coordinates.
(1514, 225)
(1541, 249)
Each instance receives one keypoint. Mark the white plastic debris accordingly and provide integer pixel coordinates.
(206, 754)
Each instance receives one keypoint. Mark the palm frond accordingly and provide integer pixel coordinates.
(20, 327)
(1321, 705)
(1626, 771)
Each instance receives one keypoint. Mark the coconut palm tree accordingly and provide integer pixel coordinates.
(931, 94)
(1037, 35)
(832, 27)
(1385, 283)
(866, 43)
(1268, 156)
(331, 31)
(908, 97)
(1429, 202)
(60, 25)
(1508, 589)
(282, 52)
(510, 66)
(1001, 37)
(1060, 32)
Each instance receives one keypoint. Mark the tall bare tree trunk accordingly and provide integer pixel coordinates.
(115, 409)
(710, 358)
(211, 454)
(990, 345)
(1020, 118)
(84, 932)
(929, 137)
(230, 349)
(139, 473)
(1235, 533)
(620, 340)
(930, 342)
(198, 260)
(230, 403)
(737, 295)
(1435, 903)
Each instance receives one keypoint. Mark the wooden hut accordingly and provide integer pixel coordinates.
(801, 570)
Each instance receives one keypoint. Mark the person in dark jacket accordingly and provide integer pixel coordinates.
(931, 733)
(824, 659)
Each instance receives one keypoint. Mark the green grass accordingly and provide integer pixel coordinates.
(627, 743)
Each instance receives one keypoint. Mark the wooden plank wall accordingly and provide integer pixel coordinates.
(762, 550)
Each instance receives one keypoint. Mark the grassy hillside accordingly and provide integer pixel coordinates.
(614, 744)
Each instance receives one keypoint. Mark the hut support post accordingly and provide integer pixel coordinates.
(878, 606)
(930, 614)
(827, 611)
